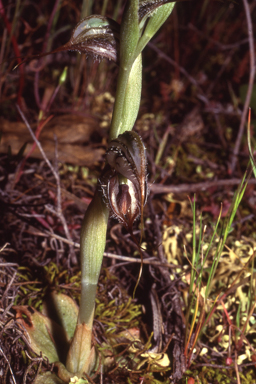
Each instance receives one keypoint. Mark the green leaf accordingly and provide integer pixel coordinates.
(48, 378)
(129, 33)
(63, 310)
(46, 336)
(156, 20)
(132, 97)
(148, 7)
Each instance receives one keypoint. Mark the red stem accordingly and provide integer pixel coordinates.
(16, 51)
(49, 25)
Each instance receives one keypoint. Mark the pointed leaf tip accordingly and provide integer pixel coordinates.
(148, 7)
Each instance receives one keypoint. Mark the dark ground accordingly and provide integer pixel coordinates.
(195, 80)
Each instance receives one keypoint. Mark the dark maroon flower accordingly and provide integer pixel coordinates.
(124, 178)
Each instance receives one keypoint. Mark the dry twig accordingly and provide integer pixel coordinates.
(159, 188)
(9, 365)
(55, 173)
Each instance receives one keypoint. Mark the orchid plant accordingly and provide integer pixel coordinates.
(122, 189)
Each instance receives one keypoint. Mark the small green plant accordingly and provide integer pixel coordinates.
(200, 306)
(210, 292)
(122, 186)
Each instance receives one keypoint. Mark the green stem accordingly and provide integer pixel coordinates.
(94, 227)
(92, 246)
